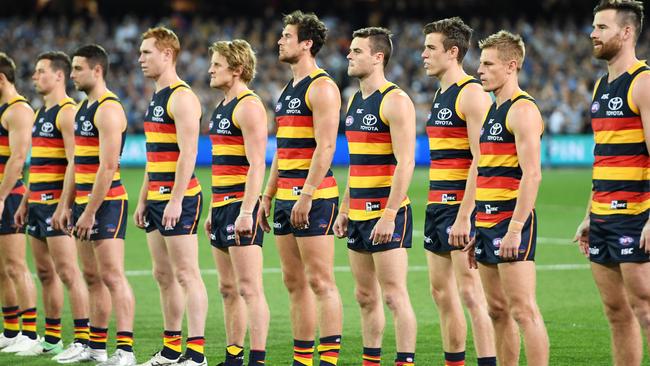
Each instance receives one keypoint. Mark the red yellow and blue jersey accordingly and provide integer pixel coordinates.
(162, 147)
(86, 152)
(449, 150)
(296, 142)
(499, 173)
(372, 163)
(621, 175)
(48, 159)
(5, 150)
(229, 162)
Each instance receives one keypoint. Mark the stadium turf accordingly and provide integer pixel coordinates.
(567, 296)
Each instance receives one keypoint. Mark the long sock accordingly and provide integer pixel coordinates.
(194, 349)
(98, 338)
(10, 323)
(487, 361)
(234, 355)
(52, 330)
(81, 331)
(125, 341)
(303, 353)
(256, 357)
(371, 356)
(328, 349)
(171, 344)
(455, 358)
(28, 318)
(405, 359)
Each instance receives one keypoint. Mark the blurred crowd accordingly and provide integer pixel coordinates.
(559, 71)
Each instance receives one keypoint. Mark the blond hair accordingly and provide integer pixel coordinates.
(165, 38)
(509, 46)
(238, 53)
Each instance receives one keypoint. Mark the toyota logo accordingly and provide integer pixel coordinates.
(224, 123)
(86, 126)
(294, 103)
(369, 119)
(444, 114)
(47, 127)
(615, 103)
(158, 111)
(496, 129)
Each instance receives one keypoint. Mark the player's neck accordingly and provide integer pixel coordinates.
(167, 78)
(507, 91)
(54, 97)
(98, 90)
(302, 68)
(371, 83)
(8, 93)
(620, 63)
(451, 76)
(234, 91)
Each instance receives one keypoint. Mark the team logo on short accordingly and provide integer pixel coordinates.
(444, 114)
(448, 230)
(294, 103)
(595, 106)
(230, 228)
(369, 120)
(396, 237)
(47, 127)
(349, 120)
(626, 240)
(110, 228)
(496, 129)
(224, 124)
(497, 242)
(615, 104)
(278, 106)
(158, 111)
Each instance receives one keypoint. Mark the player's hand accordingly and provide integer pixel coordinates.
(509, 249)
(582, 237)
(470, 249)
(172, 214)
(62, 219)
(459, 234)
(243, 227)
(382, 232)
(139, 215)
(264, 212)
(85, 224)
(645, 237)
(20, 216)
(207, 225)
(341, 225)
(300, 212)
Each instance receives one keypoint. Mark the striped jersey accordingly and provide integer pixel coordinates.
(621, 175)
(296, 142)
(229, 162)
(448, 146)
(499, 173)
(48, 161)
(372, 162)
(86, 151)
(5, 150)
(162, 147)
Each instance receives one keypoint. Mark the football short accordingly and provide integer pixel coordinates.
(615, 238)
(321, 218)
(359, 233)
(438, 221)
(488, 241)
(12, 202)
(39, 221)
(110, 219)
(222, 234)
(187, 223)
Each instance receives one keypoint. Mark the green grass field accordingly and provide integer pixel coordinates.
(567, 296)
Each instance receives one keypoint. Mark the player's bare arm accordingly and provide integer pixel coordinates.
(341, 223)
(18, 120)
(267, 196)
(61, 219)
(641, 98)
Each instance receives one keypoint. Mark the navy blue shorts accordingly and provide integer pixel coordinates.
(222, 234)
(187, 223)
(7, 223)
(110, 219)
(321, 218)
(39, 221)
(359, 233)
(488, 241)
(615, 238)
(439, 218)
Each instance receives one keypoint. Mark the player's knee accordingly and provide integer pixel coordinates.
(45, 274)
(498, 311)
(439, 294)
(524, 312)
(641, 309)
(469, 298)
(14, 269)
(294, 282)
(187, 276)
(92, 278)
(320, 286)
(111, 279)
(228, 290)
(367, 299)
(248, 290)
(395, 300)
(164, 277)
(619, 312)
(67, 273)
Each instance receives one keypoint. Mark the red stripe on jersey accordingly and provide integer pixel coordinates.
(497, 182)
(436, 196)
(36, 196)
(295, 121)
(220, 170)
(616, 124)
(160, 127)
(52, 169)
(293, 153)
(448, 132)
(360, 203)
(4, 140)
(495, 218)
(220, 197)
(296, 182)
(371, 170)
(166, 156)
(607, 197)
(86, 168)
(113, 192)
(640, 161)
(451, 164)
(226, 140)
(155, 185)
(498, 148)
(377, 137)
(47, 142)
(86, 141)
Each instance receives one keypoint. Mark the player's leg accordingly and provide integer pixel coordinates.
(10, 308)
(473, 297)
(64, 255)
(506, 332)
(637, 287)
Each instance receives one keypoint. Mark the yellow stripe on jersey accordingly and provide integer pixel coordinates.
(157, 196)
(89, 178)
(448, 174)
(448, 143)
(234, 150)
(619, 137)
(227, 180)
(48, 152)
(510, 161)
(633, 208)
(295, 132)
(496, 194)
(287, 194)
(4, 150)
(84, 199)
(226, 202)
(161, 167)
(161, 138)
(362, 148)
(294, 164)
(363, 215)
(485, 224)
(80, 150)
(45, 177)
(613, 173)
(371, 182)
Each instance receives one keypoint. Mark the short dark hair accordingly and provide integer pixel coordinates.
(455, 33)
(380, 40)
(8, 67)
(59, 61)
(629, 12)
(95, 55)
(309, 28)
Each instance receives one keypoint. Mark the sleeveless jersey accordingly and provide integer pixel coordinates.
(296, 143)
(621, 175)
(48, 162)
(499, 174)
(229, 162)
(448, 146)
(86, 152)
(162, 147)
(5, 151)
(372, 162)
